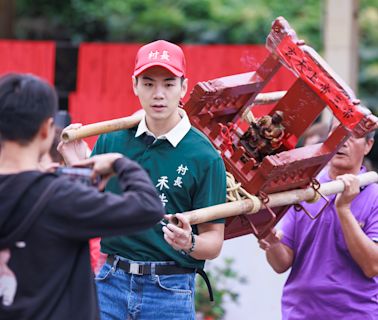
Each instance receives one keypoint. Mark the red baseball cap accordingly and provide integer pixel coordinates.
(160, 53)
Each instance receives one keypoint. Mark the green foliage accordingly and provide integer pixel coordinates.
(191, 21)
(368, 77)
(222, 279)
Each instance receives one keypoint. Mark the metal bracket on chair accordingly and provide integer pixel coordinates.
(265, 200)
(254, 229)
(316, 186)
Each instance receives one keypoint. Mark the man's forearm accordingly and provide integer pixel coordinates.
(206, 249)
(208, 242)
(280, 257)
(363, 250)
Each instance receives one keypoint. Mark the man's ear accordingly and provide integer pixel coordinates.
(135, 83)
(184, 88)
(368, 146)
(46, 128)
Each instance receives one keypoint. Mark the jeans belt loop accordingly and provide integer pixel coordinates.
(153, 268)
(115, 262)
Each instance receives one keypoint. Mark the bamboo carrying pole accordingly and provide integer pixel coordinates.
(254, 205)
(131, 121)
(101, 127)
(269, 97)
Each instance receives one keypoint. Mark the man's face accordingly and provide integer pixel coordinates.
(159, 93)
(351, 155)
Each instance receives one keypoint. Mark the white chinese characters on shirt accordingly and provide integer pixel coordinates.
(182, 170)
(163, 199)
(178, 182)
(163, 183)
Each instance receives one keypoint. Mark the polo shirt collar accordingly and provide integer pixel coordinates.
(174, 136)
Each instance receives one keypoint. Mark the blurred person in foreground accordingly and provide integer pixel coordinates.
(46, 219)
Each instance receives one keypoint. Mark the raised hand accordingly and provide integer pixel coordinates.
(272, 239)
(352, 189)
(8, 281)
(102, 165)
(73, 151)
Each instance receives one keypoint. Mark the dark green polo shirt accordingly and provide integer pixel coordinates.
(188, 176)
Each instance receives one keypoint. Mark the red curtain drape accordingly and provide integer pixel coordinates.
(37, 57)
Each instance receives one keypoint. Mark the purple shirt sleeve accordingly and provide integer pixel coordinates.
(371, 224)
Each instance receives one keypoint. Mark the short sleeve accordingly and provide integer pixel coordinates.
(212, 186)
(99, 147)
(371, 224)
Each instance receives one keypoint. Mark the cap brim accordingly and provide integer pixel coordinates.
(176, 72)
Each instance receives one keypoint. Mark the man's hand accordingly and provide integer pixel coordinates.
(271, 240)
(102, 165)
(179, 237)
(279, 256)
(8, 281)
(48, 167)
(375, 119)
(352, 189)
(73, 151)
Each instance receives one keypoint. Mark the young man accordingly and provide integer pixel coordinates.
(151, 275)
(46, 220)
(334, 258)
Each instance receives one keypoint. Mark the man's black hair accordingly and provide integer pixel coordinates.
(26, 101)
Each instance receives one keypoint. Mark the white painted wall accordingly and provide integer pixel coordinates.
(260, 299)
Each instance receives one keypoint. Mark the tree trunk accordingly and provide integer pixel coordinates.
(7, 14)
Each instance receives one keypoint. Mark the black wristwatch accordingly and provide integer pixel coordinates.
(187, 253)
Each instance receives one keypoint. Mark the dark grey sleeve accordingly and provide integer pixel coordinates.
(81, 212)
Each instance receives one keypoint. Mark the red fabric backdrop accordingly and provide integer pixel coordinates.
(37, 57)
(104, 88)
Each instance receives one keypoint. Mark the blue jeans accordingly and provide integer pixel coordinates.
(138, 297)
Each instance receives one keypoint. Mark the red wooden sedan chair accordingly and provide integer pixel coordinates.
(258, 141)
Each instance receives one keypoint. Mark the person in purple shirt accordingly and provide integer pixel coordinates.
(334, 258)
